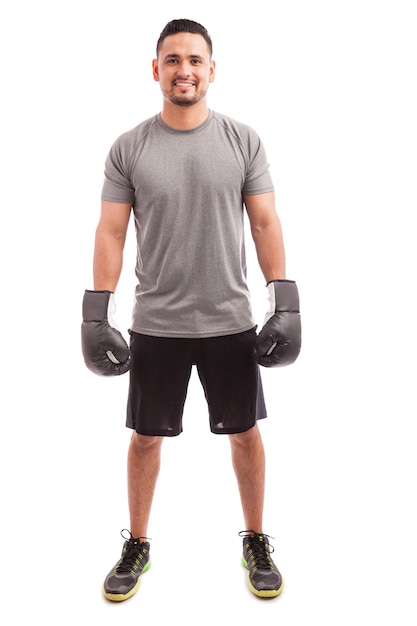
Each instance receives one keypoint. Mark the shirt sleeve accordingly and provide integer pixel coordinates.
(258, 177)
(117, 186)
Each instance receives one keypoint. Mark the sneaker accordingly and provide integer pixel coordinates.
(264, 578)
(124, 579)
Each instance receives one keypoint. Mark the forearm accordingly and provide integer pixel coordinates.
(108, 261)
(270, 250)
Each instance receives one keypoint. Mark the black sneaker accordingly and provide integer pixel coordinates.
(124, 579)
(264, 578)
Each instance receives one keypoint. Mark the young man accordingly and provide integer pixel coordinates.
(187, 174)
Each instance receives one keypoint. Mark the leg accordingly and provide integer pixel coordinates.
(144, 458)
(248, 459)
(143, 468)
(264, 578)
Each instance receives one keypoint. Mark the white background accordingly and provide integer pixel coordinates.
(331, 88)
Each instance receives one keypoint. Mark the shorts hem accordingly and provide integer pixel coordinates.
(232, 431)
(160, 433)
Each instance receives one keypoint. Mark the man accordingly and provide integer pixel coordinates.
(187, 174)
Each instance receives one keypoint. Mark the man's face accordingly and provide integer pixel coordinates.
(184, 68)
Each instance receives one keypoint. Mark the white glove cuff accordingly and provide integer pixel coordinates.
(111, 310)
(272, 302)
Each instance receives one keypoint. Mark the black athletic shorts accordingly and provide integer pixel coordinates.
(160, 372)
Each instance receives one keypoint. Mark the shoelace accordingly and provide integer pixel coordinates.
(130, 552)
(260, 548)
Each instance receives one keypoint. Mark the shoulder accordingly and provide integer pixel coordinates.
(132, 136)
(124, 148)
(234, 127)
(242, 136)
(242, 133)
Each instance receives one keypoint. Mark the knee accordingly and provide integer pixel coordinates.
(247, 438)
(145, 442)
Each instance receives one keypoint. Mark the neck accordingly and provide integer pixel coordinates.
(184, 118)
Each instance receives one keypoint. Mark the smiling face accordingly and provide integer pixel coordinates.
(184, 69)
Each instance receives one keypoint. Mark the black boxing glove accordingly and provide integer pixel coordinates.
(279, 341)
(105, 351)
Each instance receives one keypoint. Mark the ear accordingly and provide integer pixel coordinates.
(155, 71)
(212, 71)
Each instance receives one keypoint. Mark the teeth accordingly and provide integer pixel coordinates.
(183, 84)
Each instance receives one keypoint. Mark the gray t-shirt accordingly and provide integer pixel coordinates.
(186, 188)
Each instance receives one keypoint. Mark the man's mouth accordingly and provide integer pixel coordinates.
(184, 84)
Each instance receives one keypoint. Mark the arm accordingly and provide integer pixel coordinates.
(267, 234)
(279, 340)
(109, 244)
(104, 348)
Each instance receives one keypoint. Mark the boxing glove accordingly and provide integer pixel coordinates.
(105, 351)
(279, 341)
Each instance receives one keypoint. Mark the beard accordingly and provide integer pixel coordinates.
(184, 100)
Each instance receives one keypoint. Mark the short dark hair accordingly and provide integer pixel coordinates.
(184, 26)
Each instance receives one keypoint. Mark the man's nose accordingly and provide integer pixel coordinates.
(184, 68)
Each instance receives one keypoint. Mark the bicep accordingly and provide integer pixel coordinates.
(114, 219)
(261, 211)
